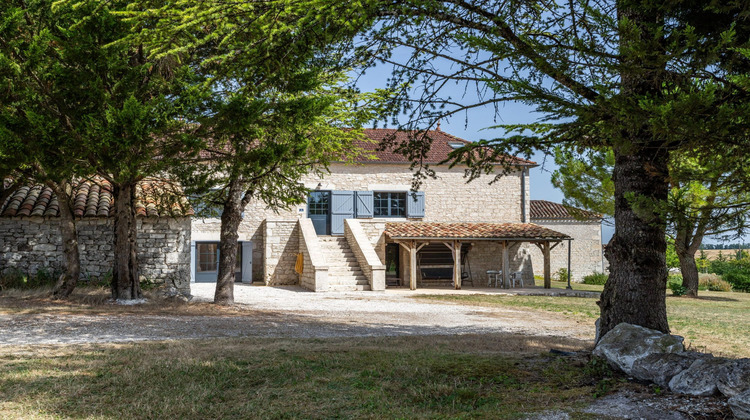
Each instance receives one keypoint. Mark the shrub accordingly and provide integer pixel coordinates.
(739, 280)
(14, 278)
(713, 282)
(674, 283)
(595, 278)
(561, 275)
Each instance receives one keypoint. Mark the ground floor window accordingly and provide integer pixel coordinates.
(207, 264)
(389, 204)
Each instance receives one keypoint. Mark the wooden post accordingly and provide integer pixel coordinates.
(547, 276)
(413, 264)
(457, 264)
(506, 265)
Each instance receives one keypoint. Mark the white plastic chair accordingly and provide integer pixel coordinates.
(516, 276)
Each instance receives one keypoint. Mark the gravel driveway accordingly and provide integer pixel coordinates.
(292, 312)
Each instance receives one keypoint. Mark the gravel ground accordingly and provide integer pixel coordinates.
(292, 312)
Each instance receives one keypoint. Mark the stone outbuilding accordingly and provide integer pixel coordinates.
(30, 238)
(585, 227)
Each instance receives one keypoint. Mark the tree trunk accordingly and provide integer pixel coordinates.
(231, 216)
(72, 259)
(689, 273)
(125, 278)
(686, 249)
(636, 290)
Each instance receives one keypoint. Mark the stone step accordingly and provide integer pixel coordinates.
(349, 283)
(347, 288)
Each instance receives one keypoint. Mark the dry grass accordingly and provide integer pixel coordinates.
(405, 377)
(715, 322)
(96, 301)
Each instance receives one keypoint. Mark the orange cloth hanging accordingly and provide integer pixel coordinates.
(300, 265)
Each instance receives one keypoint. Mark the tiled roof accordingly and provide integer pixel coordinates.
(547, 210)
(414, 230)
(93, 198)
(389, 140)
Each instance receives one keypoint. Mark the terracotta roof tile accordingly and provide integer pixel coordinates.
(93, 198)
(389, 139)
(547, 210)
(397, 230)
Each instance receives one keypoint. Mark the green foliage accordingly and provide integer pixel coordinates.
(16, 279)
(673, 261)
(586, 180)
(596, 278)
(733, 271)
(674, 283)
(561, 275)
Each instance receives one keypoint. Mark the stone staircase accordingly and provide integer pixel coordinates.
(344, 273)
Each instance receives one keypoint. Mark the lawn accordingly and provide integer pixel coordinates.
(716, 322)
(406, 377)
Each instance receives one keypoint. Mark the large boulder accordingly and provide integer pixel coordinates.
(740, 405)
(701, 378)
(660, 368)
(627, 343)
(736, 378)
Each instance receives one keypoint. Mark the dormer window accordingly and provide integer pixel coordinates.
(455, 144)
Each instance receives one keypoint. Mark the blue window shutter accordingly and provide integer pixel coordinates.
(365, 204)
(415, 204)
(247, 262)
(342, 208)
(193, 261)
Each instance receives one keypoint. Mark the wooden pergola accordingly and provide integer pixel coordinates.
(413, 236)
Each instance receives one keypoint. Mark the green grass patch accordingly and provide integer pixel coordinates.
(715, 322)
(409, 377)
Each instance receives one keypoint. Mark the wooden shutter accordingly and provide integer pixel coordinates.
(415, 204)
(365, 203)
(247, 262)
(342, 208)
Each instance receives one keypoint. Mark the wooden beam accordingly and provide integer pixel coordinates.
(413, 263)
(506, 264)
(547, 274)
(457, 264)
(422, 246)
(553, 246)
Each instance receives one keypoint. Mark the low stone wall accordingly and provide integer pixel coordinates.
(281, 244)
(586, 249)
(32, 243)
(314, 269)
(368, 259)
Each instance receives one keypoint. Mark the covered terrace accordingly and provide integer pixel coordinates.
(413, 236)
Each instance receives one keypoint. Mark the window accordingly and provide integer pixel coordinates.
(208, 258)
(390, 204)
(317, 203)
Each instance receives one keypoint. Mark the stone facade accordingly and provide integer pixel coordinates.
(586, 248)
(280, 250)
(29, 244)
(448, 198)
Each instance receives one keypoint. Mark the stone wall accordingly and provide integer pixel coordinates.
(487, 255)
(280, 249)
(586, 249)
(32, 243)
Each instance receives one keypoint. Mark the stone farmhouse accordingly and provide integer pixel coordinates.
(360, 229)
